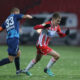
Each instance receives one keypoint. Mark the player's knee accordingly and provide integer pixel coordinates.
(57, 56)
(19, 52)
(11, 59)
(34, 61)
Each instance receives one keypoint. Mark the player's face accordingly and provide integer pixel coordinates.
(56, 21)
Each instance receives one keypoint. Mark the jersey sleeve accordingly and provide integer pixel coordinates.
(19, 16)
(41, 26)
(38, 27)
(60, 33)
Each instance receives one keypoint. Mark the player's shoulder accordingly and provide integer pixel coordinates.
(15, 15)
(11, 15)
(18, 16)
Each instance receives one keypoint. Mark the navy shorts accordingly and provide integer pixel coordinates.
(13, 46)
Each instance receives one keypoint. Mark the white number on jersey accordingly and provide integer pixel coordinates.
(9, 22)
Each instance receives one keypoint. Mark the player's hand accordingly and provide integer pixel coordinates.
(47, 25)
(67, 32)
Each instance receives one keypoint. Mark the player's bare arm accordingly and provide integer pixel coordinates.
(27, 16)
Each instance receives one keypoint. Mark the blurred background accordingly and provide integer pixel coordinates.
(43, 10)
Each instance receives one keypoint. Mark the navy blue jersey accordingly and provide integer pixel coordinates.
(11, 24)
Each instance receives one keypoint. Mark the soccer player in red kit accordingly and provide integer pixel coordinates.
(49, 30)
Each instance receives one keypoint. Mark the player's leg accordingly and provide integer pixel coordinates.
(17, 62)
(10, 58)
(5, 61)
(32, 63)
(14, 53)
(55, 57)
(14, 48)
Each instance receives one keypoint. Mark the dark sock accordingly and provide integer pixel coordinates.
(17, 63)
(4, 61)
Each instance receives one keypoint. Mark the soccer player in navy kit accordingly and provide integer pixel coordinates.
(11, 24)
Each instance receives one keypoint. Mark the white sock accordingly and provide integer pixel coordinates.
(51, 62)
(30, 65)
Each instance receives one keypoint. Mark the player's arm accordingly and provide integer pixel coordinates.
(27, 16)
(41, 26)
(23, 16)
(61, 34)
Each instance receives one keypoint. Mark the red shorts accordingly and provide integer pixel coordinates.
(44, 50)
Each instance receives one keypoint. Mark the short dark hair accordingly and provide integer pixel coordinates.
(56, 15)
(14, 9)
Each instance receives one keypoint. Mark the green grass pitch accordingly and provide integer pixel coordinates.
(66, 68)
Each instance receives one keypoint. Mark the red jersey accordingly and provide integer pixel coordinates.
(47, 33)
